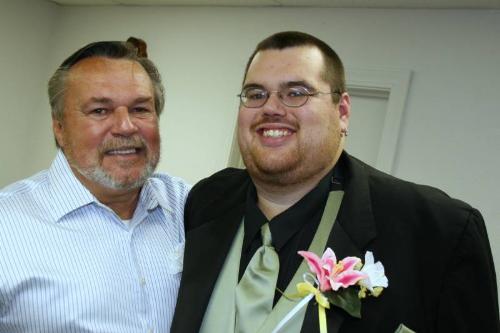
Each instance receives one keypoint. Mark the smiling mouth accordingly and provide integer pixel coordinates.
(123, 151)
(276, 133)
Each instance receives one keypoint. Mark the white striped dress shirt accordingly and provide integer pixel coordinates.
(69, 264)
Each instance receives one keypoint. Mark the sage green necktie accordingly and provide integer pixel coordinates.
(255, 292)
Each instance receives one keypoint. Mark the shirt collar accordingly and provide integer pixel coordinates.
(152, 195)
(286, 224)
(68, 194)
(254, 218)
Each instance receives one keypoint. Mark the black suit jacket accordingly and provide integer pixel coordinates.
(435, 251)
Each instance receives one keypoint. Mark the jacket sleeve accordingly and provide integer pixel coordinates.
(469, 299)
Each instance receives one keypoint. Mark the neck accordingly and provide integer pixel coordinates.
(274, 199)
(122, 202)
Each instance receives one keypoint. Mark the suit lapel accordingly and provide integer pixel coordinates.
(206, 249)
(334, 319)
(343, 246)
(350, 236)
(214, 210)
(356, 213)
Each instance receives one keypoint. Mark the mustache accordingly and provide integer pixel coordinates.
(135, 142)
(266, 119)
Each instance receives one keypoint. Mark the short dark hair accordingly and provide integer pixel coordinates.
(333, 72)
(107, 49)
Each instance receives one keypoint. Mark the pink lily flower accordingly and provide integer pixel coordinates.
(332, 275)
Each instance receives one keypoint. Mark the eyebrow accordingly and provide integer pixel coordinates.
(107, 101)
(301, 83)
(287, 84)
(102, 100)
(144, 99)
(252, 85)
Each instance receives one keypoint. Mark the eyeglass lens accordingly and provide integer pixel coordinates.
(290, 96)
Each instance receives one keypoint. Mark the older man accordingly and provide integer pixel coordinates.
(300, 192)
(94, 244)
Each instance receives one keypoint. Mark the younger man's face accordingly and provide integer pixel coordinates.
(285, 145)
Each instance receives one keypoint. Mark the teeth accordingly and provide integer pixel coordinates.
(276, 133)
(122, 151)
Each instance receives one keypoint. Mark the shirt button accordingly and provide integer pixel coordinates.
(150, 330)
(143, 283)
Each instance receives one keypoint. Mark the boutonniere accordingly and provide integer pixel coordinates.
(340, 283)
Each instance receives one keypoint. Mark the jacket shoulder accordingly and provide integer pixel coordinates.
(409, 194)
(403, 208)
(220, 183)
(216, 194)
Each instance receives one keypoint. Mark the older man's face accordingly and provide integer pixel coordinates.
(109, 131)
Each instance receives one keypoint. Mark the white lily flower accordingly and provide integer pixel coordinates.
(375, 273)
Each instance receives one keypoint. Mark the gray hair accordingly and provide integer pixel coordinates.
(114, 50)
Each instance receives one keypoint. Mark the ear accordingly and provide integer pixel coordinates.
(344, 110)
(58, 129)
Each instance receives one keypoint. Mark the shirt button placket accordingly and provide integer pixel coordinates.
(142, 281)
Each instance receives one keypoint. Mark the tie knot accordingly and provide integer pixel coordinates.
(266, 235)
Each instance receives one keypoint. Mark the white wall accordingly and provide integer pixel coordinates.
(25, 33)
(450, 135)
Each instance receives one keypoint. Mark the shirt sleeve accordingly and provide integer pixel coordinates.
(469, 299)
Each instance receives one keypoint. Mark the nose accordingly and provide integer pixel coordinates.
(273, 105)
(123, 124)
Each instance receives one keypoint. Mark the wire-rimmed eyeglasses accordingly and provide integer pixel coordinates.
(295, 96)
